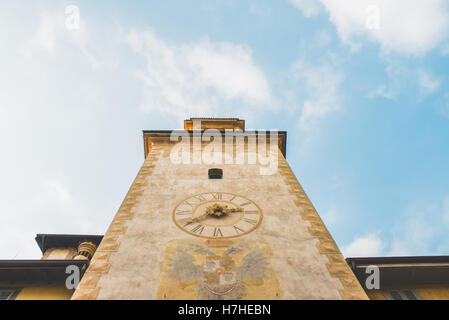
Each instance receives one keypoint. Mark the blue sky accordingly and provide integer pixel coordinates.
(361, 87)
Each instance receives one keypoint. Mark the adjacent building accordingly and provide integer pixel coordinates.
(45, 279)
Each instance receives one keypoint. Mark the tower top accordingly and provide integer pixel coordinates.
(221, 124)
(214, 123)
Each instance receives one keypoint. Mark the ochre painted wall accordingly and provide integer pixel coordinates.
(376, 295)
(44, 293)
(425, 293)
(59, 254)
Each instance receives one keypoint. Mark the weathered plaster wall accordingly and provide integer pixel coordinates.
(127, 264)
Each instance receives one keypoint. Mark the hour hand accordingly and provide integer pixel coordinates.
(204, 215)
(233, 210)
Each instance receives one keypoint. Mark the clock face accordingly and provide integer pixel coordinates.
(217, 215)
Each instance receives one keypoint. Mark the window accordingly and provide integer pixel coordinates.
(403, 295)
(215, 173)
(8, 294)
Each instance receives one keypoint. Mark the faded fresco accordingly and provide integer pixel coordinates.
(218, 270)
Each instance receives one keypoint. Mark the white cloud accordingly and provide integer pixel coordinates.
(48, 207)
(48, 32)
(322, 86)
(402, 79)
(368, 246)
(256, 7)
(421, 230)
(384, 92)
(427, 82)
(445, 50)
(52, 35)
(307, 7)
(405, 26)
(53, 103)
(413, 235)
(53, 191)
(198, 78)
(322, 38)
(56, 173)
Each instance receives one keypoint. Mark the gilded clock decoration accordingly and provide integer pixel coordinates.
(217, 215)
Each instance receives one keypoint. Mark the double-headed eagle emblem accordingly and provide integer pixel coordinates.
(219, 275)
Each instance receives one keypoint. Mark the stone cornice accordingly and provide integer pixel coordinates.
(151, 137)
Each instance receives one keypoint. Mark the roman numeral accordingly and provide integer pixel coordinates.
(252, 212)
(217, 196)
(198, 229)
(233, 197)
(237, 229)
(200, 198)
(218, 233)
(183, 212)
(188, 203)
(185, 222)
(251, 221)
(245, 204)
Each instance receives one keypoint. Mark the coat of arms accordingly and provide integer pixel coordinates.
(218, 270)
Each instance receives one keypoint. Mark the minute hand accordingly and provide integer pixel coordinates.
(206, 214)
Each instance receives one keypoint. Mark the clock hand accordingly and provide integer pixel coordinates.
(204, 215)
(217, 211)
(232, 210)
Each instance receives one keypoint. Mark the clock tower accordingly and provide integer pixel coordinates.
(215, 212)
